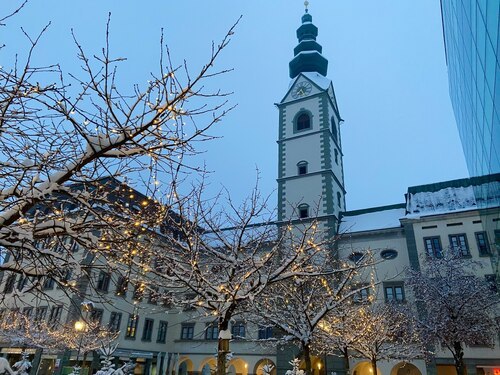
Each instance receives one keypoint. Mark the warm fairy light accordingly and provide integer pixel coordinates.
(79, 326)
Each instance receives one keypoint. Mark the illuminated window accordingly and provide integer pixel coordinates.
(133, 320)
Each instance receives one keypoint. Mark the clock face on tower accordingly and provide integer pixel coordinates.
(301, 90)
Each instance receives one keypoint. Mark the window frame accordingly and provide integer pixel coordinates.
(212, 331)
(486, 243)
(96, 315)
(462, 246)
(237, 328)
(187, 331)
(132, 323)
(302, 168)
(302, 112)
(161, 336)
(265, 332)
(55, 315)
(40, 313)
(122, 286)
(435, 254)
(10, 283)
(334, 130)
(103, 281)
(115, 321)
(147, 329)
(303, 211)
(393, 286)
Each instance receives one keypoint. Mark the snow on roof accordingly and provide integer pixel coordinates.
(364, 221)
(458, 198)
(318, 79)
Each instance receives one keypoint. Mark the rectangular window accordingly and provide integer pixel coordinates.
(433, 247)
(138, 292)
(482, 243)
(122, 286)
(28, 312)
(55, 315)
(458, 244)
(238, 330)
(96, 315)
(147, 331)
(362, 295)
(40, 313)
(211, 331)
(303, 211)
(48, 283)
(115, 321)
(153, 295)
(394, 292)
(265, 333)
(187, 332)
(133, 320)
(162, 332)
(21, 283)
(9, 283)
(103, 281)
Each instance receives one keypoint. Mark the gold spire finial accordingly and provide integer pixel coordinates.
(306, 4)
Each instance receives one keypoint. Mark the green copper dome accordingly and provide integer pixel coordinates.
(308, 57)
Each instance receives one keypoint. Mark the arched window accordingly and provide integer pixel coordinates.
(303, 122)
(302, 167)
(334, 129)
(339, 199)
(303, 211)
(336, 156)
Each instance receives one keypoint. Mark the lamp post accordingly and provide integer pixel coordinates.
(79, 327)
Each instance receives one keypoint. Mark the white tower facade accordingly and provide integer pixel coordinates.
(310, 160)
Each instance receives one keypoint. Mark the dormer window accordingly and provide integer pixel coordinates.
(302, 168)
(303, 122)
(303, 211)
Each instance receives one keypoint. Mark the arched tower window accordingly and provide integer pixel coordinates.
(302, 167)
(334, 129)
(303, 122)
(339, 199)
(303, 211)
(336, 156)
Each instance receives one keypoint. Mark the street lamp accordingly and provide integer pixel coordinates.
(79, 327)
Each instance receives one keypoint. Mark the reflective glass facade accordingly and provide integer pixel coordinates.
(471, 35)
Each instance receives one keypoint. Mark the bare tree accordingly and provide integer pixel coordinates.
(299, 305)
(17, 329)
(386, 333)
(339, 331)
(63, 134)
(458, 307)
(223, 259)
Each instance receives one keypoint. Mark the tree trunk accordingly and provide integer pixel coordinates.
(345, 353)
(459, 358)
(374, 366)
(307, 358)
(83, 362)
(222, 347)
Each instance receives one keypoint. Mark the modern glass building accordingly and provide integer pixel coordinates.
(471, 36)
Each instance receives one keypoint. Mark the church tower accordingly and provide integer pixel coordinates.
(310, 172)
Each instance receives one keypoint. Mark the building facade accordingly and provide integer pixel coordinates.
(163, 339)
(472, 45)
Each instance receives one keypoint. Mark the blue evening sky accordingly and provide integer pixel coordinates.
(386, 60)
